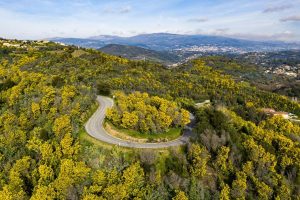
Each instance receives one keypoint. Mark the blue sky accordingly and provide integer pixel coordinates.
(255, 19)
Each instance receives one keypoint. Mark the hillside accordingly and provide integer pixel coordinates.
(48, 91)
(138, 53)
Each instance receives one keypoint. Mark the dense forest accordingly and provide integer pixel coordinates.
(146, 114)
(48, 91)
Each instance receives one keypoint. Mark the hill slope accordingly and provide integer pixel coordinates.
(138, 53)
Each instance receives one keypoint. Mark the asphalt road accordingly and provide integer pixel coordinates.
(94, 127)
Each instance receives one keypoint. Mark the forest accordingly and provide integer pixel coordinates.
(48, 91)
(146, 114)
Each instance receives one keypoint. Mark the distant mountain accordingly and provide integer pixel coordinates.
(105, 37)
(170, 42)
(165, 41)
(138, 53)
(89, 43)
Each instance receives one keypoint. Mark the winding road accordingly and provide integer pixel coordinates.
(94, 127)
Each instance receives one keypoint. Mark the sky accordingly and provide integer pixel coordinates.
(254, 20)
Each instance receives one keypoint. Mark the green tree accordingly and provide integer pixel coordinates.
(129, 120)
(180, 195)
(198, 158)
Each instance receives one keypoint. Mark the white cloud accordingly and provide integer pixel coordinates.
(198, 20)
(294, 18)
(119, 10)
(283, 36)
(125, 9)
(277, 8)
(221, 31)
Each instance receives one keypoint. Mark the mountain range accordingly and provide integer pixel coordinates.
(171, 42)
(173, 49)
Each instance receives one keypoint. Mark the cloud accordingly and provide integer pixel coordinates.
(221, 30)
(193, 32)
(121, 10)
(125, 9)
(277, 8)
(198, 20)
(294, 18)
(30, 19)
(283, 36)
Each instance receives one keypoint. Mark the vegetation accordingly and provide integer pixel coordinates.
(251, 67)
(47, 92)
(254, 160)
(127, 134)
(138, 111)
(138, 53)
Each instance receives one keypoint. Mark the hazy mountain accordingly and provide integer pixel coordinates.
(168, 42)
(105, 37)
(165, 41)
(138, 53)
(90, 43)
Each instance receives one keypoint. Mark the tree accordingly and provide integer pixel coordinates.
(225, 193)
(163, 121)
(46, 175)
(44, 192)
(134, 180)
(35, 108)
(239, 186)
(185, 117)
(47, 153)
(69, 147)
(15, 188)
(198, 158)
(129, 120)
(62, 126)
(67, 93)
(221, 160)
(113, 115)
(71, 173)
(263, 190)
(196, 191)
(180, 195)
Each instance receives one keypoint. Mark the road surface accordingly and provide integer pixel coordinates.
(94, 127)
